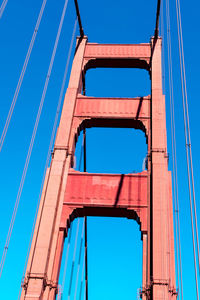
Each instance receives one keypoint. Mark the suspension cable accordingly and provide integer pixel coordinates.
(73, 260)
(171, 91)
(174, 159)
(66, 263)
(2, 8)
(82, 279)
(79, 18)
(157, 20)
(188, 143)
(86, 261)
(79, 259)
(85, 218)
(32, 141)
(52, 139)
(15, 97)
(81, 153)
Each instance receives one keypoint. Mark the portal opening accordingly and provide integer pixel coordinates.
(112, 150)
(114, 259)
(117, 82)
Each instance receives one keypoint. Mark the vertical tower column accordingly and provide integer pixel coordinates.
(161, 216)
(40, 282)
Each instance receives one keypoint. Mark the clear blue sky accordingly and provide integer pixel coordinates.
(114, 244)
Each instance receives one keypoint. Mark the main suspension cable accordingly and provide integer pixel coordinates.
(174, 159)
(157, 20)
(188, 143)
(15, 97)
(52, 137)
(79, 18)
(2, 8)
(32, 141)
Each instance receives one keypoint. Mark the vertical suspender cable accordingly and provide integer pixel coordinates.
(86, 249)
(82, 154)
(32, 141)
(163, 81)
(79, 260)
(2, 8)
(174, 160)
(86, 262)
(14, 100)
(82, 277)
(73, 261)
(188, 143)
(175, 187)
(66, 263)
(84, 146)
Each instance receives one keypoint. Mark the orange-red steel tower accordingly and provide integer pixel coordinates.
(145, 197)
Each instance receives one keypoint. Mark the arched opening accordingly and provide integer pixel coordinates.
(112, 150)
(118, 247)
(114, 259)
(117, 82)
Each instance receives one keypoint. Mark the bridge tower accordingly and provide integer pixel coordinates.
(145, 197)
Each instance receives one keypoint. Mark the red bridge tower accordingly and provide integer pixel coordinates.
(145, 197)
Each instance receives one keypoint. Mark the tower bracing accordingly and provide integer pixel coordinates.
(145, 197)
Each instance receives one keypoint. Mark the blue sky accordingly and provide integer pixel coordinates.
(114, 244)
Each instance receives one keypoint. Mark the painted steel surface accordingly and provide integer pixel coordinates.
(145, 197)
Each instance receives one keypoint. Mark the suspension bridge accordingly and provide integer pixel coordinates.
(100, 258)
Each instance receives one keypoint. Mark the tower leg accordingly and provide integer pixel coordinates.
(39, 275)
(44, 260)
(160, 197)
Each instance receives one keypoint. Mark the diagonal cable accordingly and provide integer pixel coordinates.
(32, 141)
(52, 137)
(2, 8)
(14, 100)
